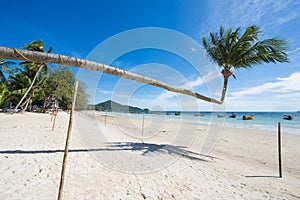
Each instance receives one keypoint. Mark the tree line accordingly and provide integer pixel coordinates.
(46, 89)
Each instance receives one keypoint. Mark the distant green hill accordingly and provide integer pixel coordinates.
(114, 106)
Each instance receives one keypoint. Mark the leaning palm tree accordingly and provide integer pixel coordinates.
(230, 50)
(41, 57)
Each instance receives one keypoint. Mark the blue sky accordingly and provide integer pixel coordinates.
(75, 28)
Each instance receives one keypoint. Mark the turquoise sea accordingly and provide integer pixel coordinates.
(262, 120)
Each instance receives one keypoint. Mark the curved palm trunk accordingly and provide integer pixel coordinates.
(226, 74)
(28, 90)
(11, 53)
(224, 88)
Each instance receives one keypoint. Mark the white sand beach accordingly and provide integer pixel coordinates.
(166, 165)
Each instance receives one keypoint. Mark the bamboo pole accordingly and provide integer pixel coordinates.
(279, 151)
(54, 114)
(64, 164)
(143, 124)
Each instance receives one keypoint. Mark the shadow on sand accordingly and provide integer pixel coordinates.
(143, 148)
(262, 176)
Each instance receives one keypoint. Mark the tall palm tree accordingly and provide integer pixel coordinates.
(230, 50)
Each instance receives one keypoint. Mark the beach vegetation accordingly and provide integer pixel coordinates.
(59, 87)
(31, 85)
(30, 76)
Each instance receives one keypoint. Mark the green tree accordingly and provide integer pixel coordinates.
(230, 50)
(60, 85)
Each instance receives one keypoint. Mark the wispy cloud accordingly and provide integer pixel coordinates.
(189, 85)
(106, 92)
(202, 80)
(294, 50)
(244, 13)
(280, 94)
(281, 86)
(193, 49)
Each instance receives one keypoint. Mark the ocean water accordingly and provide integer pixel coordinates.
(262, 120)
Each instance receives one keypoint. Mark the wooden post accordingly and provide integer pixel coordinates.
(279, 150)
(54, 114)
(143, 124)
(105, 119)
(64, 164)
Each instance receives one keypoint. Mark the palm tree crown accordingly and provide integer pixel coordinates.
(229, 49)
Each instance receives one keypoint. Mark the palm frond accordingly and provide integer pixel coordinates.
(230, 49)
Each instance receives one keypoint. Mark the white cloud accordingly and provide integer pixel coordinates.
(282, 94)
(291, 96)
(189, 85)
(293, 51)
(165, 95)
(105, 91)
(282, 85)
(201, 80)
(193, 49)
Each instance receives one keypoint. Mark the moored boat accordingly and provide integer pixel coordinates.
(177, 113)
(249, 117)
(287, 117)
(221, 115)
(233, 115)
(199, 114)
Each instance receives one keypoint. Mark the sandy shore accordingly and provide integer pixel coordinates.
(165, 161)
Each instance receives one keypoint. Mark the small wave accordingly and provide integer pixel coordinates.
(262, 125)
